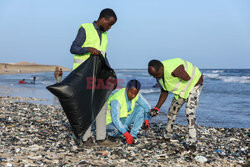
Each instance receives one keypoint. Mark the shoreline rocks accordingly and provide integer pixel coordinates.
(26, 67)
(40, 135)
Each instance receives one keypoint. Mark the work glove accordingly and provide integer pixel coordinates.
(129, 138)
(146, 125)
(154, 112)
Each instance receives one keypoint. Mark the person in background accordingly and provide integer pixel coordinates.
(92, 39)
(157, 85)
(126, 107)
(22, 81)
(184, 80)
(59, 77)
(5, 68)
(34, 80)
(56, 72)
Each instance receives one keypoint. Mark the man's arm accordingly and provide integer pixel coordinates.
(180, 72)
(162, 98)
(115, 114)
(76, 47)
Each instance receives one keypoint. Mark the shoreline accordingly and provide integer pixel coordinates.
(28, 68)
(39, 135)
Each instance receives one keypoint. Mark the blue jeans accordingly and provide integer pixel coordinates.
(136, 118)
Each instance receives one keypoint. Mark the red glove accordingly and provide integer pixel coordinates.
(129, 138)
(146, 124)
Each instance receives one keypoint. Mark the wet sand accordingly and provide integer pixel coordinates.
(26, 67)
(39, 135)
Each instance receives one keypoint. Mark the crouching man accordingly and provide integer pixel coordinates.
(126, 107)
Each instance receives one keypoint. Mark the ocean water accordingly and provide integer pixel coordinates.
(224, 101)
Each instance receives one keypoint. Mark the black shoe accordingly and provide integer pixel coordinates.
(192, 147)
(115, 139)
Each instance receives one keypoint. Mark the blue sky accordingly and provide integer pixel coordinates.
(208, 33)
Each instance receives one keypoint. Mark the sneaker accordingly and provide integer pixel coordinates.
(106, 142)
(191, 144)
(169, 136)
(191, 140)
(89, 143)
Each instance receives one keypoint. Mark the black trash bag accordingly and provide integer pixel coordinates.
(84, 91)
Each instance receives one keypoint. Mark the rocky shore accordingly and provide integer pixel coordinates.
(39, 135)
(26, 67)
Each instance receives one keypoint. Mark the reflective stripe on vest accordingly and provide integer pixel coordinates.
(189, 81)
(177, 85)
(120, 96)
(92, 40)
(78, 61)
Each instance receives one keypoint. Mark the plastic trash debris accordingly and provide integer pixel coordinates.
(200, 159)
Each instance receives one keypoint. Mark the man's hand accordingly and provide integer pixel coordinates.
(154, 112)
(94, 51)
(129, 138)
(146, 125)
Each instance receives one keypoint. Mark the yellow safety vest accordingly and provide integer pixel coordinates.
(92, 40)
(120, 96)
(176, 85)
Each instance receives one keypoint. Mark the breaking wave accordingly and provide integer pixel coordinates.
(233, 79)
(148, 91)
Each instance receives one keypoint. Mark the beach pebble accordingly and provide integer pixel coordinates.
(40, 135)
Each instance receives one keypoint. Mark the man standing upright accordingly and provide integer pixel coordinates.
(184, 80)
(92, 39)
(59, 77)
(56, 72)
